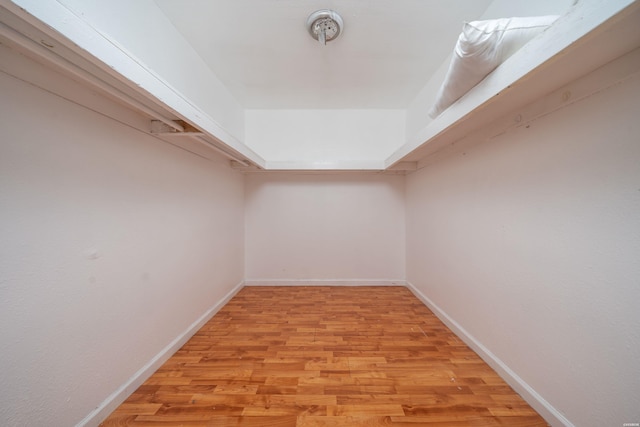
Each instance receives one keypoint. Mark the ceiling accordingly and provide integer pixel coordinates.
(262, 52)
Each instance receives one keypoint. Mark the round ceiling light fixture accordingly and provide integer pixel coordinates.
(324, 25)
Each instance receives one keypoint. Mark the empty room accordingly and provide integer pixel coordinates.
(320, 213)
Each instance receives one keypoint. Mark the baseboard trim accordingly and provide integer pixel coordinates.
(537, 402)
(324, 282)
(95, 417)
(544, 408)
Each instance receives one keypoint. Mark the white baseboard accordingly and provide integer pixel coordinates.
(544, 408)
(325, 282)
(537, 402)
(95, 417)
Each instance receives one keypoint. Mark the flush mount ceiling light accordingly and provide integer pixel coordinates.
(324, 25)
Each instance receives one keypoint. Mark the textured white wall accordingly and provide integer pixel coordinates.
(112, 244)
(316, 138)
(530, 241)
(331, 227)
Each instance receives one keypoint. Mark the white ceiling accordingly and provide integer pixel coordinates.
(261, 51)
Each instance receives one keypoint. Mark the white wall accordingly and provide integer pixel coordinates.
(113, 244)
(326, 227)
(529, 240)
(325, 138)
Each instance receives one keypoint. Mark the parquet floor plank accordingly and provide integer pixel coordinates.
(325, 357)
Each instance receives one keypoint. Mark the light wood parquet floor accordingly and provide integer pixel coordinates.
(325, 357)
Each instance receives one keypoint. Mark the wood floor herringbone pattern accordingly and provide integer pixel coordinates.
(325, 356)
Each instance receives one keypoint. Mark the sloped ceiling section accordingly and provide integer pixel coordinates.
(241, 71)
(308, 106)
(261, 50)
(210, 60)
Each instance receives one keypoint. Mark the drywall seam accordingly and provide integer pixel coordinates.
(324, 282)
(95, 417)
(537, 402)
